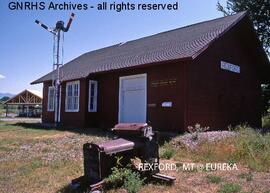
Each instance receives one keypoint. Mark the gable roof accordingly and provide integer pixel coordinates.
(182, 43)
(26, 97)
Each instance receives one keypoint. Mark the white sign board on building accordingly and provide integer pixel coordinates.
(230, 67)
(167, 104)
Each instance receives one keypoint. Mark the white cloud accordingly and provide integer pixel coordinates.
(2, 76)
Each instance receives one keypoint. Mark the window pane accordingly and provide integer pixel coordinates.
(51, 92)
(75, 103)
(69, 103)
(92, 89)
(92, 96)
(91, 103)
(73, 96)
(69, 90)
(51, 98)
(51, 101)
(76, 90)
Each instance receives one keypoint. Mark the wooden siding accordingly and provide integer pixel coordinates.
(219, 98)
(47, 116)
(70, 119)
(164, 83)
(201, 92)
(74, 119)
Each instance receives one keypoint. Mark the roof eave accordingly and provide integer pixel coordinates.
(35, 82)
(38, 81)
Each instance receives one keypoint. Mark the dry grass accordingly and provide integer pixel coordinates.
(249, 149)
(37, 159)
(198, 182)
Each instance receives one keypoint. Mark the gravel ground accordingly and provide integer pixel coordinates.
(21, 119)
(66, 147)
(69, 146)
(191, 141)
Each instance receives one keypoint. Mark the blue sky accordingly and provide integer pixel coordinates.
(26, 49)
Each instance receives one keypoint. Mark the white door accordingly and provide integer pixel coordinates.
(132, 99)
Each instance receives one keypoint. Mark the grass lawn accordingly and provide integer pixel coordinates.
(2, 110)
(38, 159)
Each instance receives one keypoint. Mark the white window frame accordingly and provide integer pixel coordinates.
(50, 88)
(66, 98)
(95, 96)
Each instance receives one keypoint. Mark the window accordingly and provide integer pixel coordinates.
(92, 101)
(72, 96)
(50, 106)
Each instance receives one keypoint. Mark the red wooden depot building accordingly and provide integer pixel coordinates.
(208, 73)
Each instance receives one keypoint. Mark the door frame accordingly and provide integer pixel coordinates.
(121, 79)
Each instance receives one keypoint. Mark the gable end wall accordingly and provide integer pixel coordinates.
(219, 98)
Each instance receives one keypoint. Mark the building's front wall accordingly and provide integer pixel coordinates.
(47, 116)
(219, 98)
(165, 83)
(200, 91)
(72, 119)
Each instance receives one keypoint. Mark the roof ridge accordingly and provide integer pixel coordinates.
(221, 23)
(240, 13)
(201, 22)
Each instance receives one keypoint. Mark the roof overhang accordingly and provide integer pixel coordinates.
(38, 81)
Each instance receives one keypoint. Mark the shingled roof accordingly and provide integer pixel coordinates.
(182, 43)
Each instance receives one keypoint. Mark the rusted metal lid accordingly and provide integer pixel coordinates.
(130, 126)
(117, 145)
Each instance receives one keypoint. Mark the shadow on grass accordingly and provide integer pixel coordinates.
(165, 137)
(86, 131)
(68, 189)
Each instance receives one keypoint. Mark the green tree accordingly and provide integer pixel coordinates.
(266, 98)
(5, 98)
(259, 13)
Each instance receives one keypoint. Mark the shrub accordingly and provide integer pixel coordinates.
(247, 176)
(214, 179)
(167, 151)
(126, 178)
(230, 188)
(214, 151)
(196, 130)
(253, 148)
(266, 121)
(117, 177)
(248, 147)
(133, 183)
